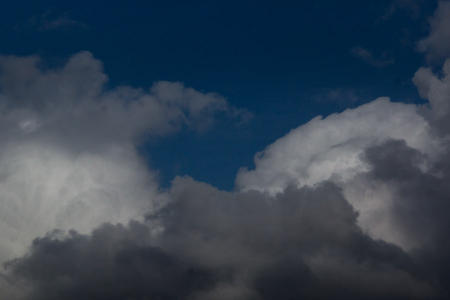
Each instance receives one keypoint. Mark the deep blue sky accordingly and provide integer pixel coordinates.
(279, 60)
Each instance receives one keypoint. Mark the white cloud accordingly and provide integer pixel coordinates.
(44, 187)
(331, 148)
(68, 156)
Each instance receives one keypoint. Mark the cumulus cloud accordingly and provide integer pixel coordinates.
(351, 206)
(330, 147)
(436, 45)
(243, 246)
(71, 102)
(114, 262)
(68, 156)
(333, 149)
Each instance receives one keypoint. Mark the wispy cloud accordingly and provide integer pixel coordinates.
(369, 58)
(340, 96)
(49, 21)
(412, 7)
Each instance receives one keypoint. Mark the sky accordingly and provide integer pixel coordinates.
(225, 150)
(285, 62)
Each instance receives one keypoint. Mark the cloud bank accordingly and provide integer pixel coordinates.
(350, 206)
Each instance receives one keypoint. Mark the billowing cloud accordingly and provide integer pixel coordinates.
(114, 262)
(223, 245)
(71, 102)
(333, 148)
(350, 206)
(330, 147)
(68, 158)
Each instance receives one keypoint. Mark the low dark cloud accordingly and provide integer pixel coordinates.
(114, 262)
(222, 245)
(421, 203)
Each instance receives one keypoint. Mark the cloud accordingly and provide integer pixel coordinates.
(68, 157)
(413, 7)
(420, 203)
(367, 56)
(334, 209)
(114, 262)
(436, 45)
(436, 89)
(49, 21)
(330, 147)
(243, 246)
(73, 98)
(351, 206)
(339, 96)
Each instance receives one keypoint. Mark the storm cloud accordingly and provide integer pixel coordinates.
(223, 245)
(353, 205)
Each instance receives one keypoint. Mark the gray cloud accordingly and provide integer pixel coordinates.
(436, 88)
(436, 45)
(221, 245)
(351, 206)
(68, 157)
(67, 101)
(332, 149)
(420, 207)
(311, 238)
(115, 262)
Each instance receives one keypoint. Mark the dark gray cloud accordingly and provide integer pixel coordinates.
(114, 262)
(421, 203)
(222, 245)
